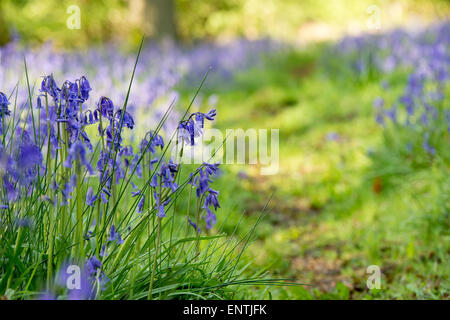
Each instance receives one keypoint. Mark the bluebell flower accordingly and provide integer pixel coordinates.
(211, 114)
(378, 102)
(127, 118)
(392, 114)
(89, 118)
(90, 197)
(210, 218)
(379, 118)
(332, 136)
(424, 119)
(92, 265)
(39, 102)
(47, 296)
(24, 222)
(141, 204)
(154, 182)
(103, 251)
(105, 195)
(85, 87)
(211, 199)
(49, 86)
(160, 206)
(167, 174)
(189, 129)
(155, 140)
(29, 156)
(211, 169)
(106, 107)
(114, 235)
(68, 189)
(194, 225)
(4, 103)
(426, 145)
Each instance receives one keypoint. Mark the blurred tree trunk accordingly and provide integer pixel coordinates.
(4, 33)
(156, 17)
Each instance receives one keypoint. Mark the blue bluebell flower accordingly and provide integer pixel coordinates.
(29, 156)
(160, 206)
(114, 235)
(127, 118)
(90, 197)
(50, 87)
(85, 88)
(426, 145)
(210, 218)
(105, 107)
(141, 204)
(211, 199)
(194, 225)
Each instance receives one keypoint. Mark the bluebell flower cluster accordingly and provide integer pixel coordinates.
(421, 107)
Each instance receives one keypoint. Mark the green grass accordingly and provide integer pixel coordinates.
(335, 210)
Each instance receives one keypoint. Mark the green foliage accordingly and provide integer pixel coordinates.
(38, 21)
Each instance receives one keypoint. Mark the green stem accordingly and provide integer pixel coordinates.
(79, 213)
(152, 279)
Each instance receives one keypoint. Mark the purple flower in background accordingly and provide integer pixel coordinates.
(378, 102)
(92, 265)
(141, 204)
(194, 225)
(114, 235)
(211, 114)
(332, 136)
(392, 114)
(24, 222)
(90, 197)
(426, 145)
(211, 199)
(189, 129)
(161, 213)
(77, 152)
(49, 86)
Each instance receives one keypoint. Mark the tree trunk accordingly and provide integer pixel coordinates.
(155, 17)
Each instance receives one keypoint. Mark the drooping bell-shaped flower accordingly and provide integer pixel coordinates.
(85, 87)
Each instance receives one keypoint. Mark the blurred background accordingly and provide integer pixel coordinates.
(338, 77)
